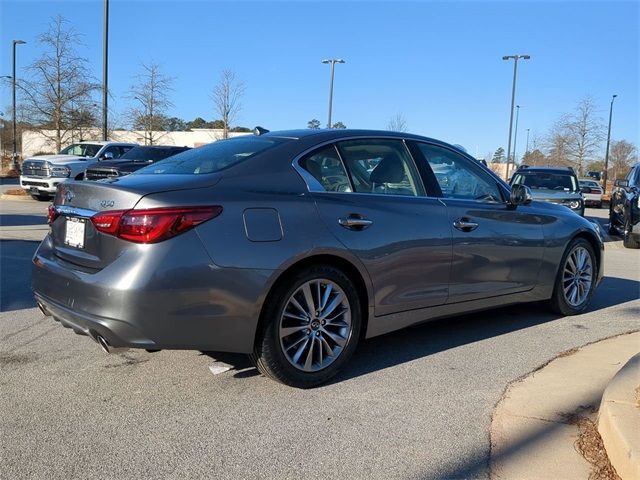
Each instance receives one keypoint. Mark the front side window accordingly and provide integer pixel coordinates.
(213, 157)
(380, 166)
(457, 177)
(81, 150)
(325, 166)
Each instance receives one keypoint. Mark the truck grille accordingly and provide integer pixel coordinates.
(36, 169)
(100, 173)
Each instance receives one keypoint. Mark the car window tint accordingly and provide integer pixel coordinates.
(380, 166)
(325, 166)
(546, 181)
(458, 177)
(113, 150)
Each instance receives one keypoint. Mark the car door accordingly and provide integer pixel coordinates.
(371, 197)
(497, 249)
(621, 196)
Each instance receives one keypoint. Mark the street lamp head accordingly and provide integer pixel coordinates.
(333, 60)
(19, 42)
(339, 60)
(525, 57)
(615, 96)
(326, 61)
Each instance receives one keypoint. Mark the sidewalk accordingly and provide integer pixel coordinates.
(546, 419)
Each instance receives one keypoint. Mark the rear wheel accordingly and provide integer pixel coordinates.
(628, 240)
(576, 279)
(311, 329)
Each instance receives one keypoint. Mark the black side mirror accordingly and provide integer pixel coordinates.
(520, 195)
(621, 183)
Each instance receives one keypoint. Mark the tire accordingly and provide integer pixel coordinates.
(41, 198)
(275, 352)
(562, 301)
(612, 224)
(629, 240)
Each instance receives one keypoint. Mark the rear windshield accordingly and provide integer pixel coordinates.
(154, 154)
(547, 181)
(213, 157)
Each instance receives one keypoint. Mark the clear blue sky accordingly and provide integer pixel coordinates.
(439, 63)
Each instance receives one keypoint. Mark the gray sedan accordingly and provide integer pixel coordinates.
(292, 246)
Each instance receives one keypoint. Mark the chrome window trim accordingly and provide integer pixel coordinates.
(314, 186)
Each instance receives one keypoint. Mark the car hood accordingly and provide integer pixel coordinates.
(552, 196)
(57, 159)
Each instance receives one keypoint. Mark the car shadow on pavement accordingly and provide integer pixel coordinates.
(438, 335)
(15, 274)
(10, 220)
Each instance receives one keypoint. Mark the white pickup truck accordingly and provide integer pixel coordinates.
(42, 174)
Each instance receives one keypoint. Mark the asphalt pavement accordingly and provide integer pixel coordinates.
(412, 404)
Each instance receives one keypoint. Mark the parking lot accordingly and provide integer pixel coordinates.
(412, 404)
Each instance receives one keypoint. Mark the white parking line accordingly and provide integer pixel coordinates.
(220, 368)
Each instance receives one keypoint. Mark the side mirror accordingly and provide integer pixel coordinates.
(520, 195)
(107, 156)
(621, 183)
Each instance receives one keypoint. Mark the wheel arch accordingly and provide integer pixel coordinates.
(355, 274)
(595, 244)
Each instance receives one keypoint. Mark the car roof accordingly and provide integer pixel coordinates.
(565, 170)
(161, 146)
(325, 134)
(103, 142)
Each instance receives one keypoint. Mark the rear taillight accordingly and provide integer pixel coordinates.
(154, 224)
(52, 214)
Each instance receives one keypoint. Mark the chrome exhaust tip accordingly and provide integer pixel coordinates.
(42, 309)
(107, 348)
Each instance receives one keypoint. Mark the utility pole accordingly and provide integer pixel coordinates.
(333, 62)
(527, 150)
(515, 137)
(513, 99)
(105, 68)
(606, 155)
(14, 155)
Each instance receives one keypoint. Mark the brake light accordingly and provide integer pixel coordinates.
(154, 224)
(52, 214)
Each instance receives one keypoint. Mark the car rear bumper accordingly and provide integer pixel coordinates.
(592, 198)
(169, 296)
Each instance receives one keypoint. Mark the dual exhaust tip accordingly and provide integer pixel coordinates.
(108, 348)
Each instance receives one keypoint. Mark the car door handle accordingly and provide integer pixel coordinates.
(355, 222)
(465, 225)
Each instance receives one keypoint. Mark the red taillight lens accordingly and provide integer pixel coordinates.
(52, 214)
(154, 224)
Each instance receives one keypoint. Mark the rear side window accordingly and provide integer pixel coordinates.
(213, 157)
(327, 169)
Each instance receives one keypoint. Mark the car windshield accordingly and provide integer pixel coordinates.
(213, 157)
(547, 181)
(152, 154)
(81, 149)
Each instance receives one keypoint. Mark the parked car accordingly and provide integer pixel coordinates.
(42, 174)
(624, 208)
(287, 246)
(552, 184)
(131, 161)
(591, 192)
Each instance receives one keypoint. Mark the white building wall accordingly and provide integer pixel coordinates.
(35, 142)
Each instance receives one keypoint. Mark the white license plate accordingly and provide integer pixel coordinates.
(74, 235)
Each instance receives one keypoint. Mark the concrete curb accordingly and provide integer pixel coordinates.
(619, 420)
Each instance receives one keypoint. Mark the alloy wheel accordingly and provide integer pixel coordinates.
(315, 325)
(577, 276)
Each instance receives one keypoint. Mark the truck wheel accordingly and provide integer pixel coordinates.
(628, 239)
(40, 197)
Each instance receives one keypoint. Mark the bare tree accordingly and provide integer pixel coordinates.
(622, 155)
(151, 96)
(397, 123)
(585, 131)
(59, 85)
(558, 146)
(226, 97)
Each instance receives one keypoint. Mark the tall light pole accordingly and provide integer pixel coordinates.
(14, 155)
(513, 99)
(527, 150)
(333, 62)
(105, 65)
(606, 155)
(515, 136)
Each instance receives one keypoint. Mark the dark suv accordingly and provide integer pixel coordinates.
(552, 184)
(131, 161)
(624, 208)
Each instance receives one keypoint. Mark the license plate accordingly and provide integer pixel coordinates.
(34, 190)
(74, 234)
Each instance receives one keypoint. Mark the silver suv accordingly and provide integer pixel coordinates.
(42, 174)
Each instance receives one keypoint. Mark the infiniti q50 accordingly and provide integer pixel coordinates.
(292, 246)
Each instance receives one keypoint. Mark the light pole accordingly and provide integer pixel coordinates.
(515, 136)
(333, 62)
(14, 155)
(105, 61)
(527, 150)
(606, 155)
(513, 99)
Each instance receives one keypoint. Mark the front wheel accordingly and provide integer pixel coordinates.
(628, 239)
(576, 279)
(40, 197)
(311, 328)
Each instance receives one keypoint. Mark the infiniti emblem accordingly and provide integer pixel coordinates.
(68, 196)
